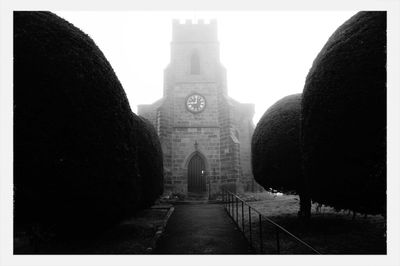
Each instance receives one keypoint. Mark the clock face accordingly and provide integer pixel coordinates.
(195, 103)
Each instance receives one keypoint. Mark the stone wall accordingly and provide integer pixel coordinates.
(242, 114)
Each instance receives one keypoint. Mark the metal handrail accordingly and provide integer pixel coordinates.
(261, 216)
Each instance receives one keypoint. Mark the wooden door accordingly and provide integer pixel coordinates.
(196, 175)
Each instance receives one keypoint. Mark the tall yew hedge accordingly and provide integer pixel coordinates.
(150, 162)
(276, 158)
(76, 166)
(344, 117)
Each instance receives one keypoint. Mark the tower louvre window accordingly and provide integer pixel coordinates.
(195, 64)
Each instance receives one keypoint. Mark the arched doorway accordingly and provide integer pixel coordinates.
(196, 174)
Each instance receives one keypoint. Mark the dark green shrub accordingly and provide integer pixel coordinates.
(276, 159)
(150, 162)
(75, 165)
(344, 117)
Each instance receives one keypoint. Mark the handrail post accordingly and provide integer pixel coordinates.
(224, 198)
(278, 249)
(237, 216)
(228, 198)
(231, 202)
(234, 207)
(251, 240)
(226, 202)
(261, 237)
(243, 216)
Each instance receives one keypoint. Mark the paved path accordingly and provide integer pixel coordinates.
(201, 229)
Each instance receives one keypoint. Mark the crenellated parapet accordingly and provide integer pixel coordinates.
(194, 31)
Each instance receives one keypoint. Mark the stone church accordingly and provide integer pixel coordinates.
(205, 134)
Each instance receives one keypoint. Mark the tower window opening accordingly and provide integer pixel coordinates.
(195, 64)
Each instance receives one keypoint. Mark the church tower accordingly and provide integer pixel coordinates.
(205, 135)
(194, 55)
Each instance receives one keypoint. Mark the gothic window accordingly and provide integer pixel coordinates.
(195, 64)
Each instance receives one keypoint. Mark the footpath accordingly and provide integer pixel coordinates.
(201, 229)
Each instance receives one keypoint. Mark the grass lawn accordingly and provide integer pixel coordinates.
(132, 236)
(328, 231)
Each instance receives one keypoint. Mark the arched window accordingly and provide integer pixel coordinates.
(195, 64)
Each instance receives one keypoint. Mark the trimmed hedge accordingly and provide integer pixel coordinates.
(344, 117)
(75, 156)
(275, 147)
(150, 159)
